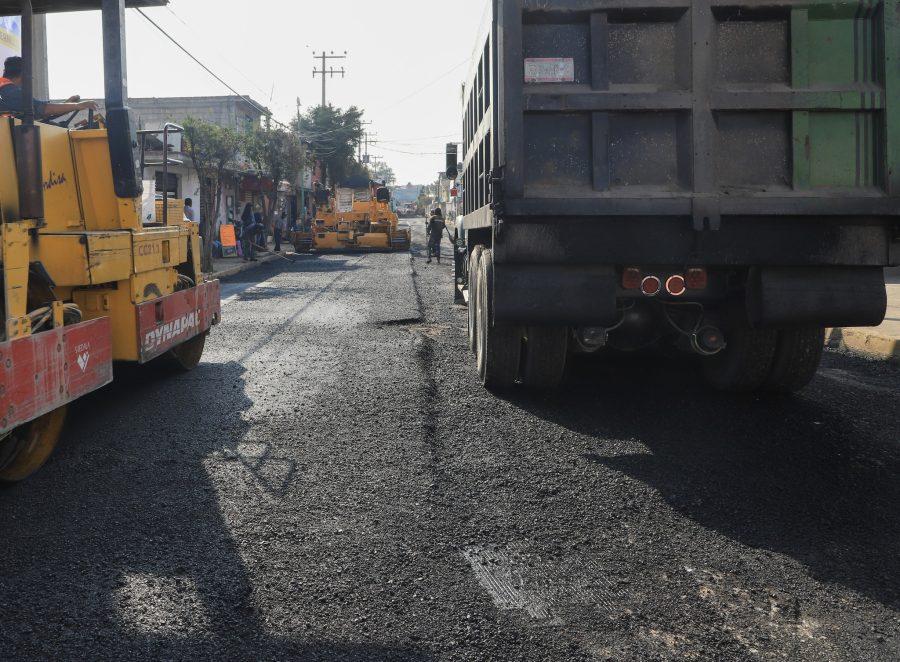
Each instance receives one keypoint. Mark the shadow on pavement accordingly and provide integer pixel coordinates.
(119, 548)
(801, 475)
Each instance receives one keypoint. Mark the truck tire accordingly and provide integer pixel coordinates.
(499, 348)
(544, 356)
(474, 258)
(746, 362)
(460, 264)
(798, 353)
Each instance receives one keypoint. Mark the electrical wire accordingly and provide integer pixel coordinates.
(263, 111)
(426, 86)
(401, 151)
(224, 59)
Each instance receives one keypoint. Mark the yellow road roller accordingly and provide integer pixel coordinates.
(356, 217)
(87, 279)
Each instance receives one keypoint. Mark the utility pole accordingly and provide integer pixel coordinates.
(326, 71)
(369, 141)
(359, 145)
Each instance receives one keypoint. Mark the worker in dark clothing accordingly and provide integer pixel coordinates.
(12, 102)
(435, 234)
(248, 231)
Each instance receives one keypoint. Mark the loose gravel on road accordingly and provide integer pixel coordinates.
(332, 484)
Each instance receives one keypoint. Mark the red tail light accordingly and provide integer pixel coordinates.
(696, 279)
(651, 286)
(631, 278)
(675, 285)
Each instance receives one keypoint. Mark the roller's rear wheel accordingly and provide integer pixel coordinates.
(25, 449)
(187, 355)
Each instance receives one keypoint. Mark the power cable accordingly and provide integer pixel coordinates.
(224, 59)
(263, 111)
(426, 86)
(400, 151)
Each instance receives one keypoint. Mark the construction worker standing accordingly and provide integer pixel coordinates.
(435, 233)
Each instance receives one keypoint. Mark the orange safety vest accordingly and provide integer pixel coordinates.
(3, 83)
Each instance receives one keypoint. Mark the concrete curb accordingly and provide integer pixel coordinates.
(239, 268)
(864, 341)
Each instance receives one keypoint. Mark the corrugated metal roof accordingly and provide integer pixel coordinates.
(14, 7)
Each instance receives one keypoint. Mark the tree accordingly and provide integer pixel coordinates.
(382, 172)
(213, 150)
(279, 156)
(335, 135)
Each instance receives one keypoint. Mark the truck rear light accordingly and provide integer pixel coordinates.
(651, 286)
(675, 285)
(696, 279)
(631, 278)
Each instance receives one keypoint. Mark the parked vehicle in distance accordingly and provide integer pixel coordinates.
(724, 178)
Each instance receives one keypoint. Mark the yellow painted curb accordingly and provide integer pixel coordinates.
(864, 341)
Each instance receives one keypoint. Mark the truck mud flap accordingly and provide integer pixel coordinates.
(832, 296)
(45, 371)
(554, 295)
(167, 322)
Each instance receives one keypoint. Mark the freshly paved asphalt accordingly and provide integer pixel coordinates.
(332, 484)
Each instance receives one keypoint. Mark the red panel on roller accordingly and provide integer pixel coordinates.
(45, 371)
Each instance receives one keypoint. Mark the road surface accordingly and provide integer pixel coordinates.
(332, 484)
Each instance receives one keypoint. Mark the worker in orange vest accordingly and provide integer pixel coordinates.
(12, 103)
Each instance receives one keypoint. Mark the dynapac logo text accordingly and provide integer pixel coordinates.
(166, 333)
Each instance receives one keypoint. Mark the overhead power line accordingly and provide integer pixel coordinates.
(263, 111)
(427, 85)
(401, 151)
(218, 54)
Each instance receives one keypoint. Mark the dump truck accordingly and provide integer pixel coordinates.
(721, 176)
(355, 216)
(86, 281)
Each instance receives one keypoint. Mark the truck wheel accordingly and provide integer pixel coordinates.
(474, 258)
(544, 356)
(26, 448)
(798, 353)
(187, 355)
(499, 348)
(745, 363)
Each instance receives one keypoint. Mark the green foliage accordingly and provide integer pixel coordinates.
(213, 149)
(278, 154)
(335, 135)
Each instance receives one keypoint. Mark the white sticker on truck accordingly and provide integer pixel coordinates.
(549, 70)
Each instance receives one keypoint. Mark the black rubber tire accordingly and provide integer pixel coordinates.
(187, 355)
(27, 448)
(499, 347)
(798, 353)
(745, 363)
(474, 258)
(460, 264)
(544, 356)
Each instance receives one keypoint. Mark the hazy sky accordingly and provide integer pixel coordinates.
(264, 48)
